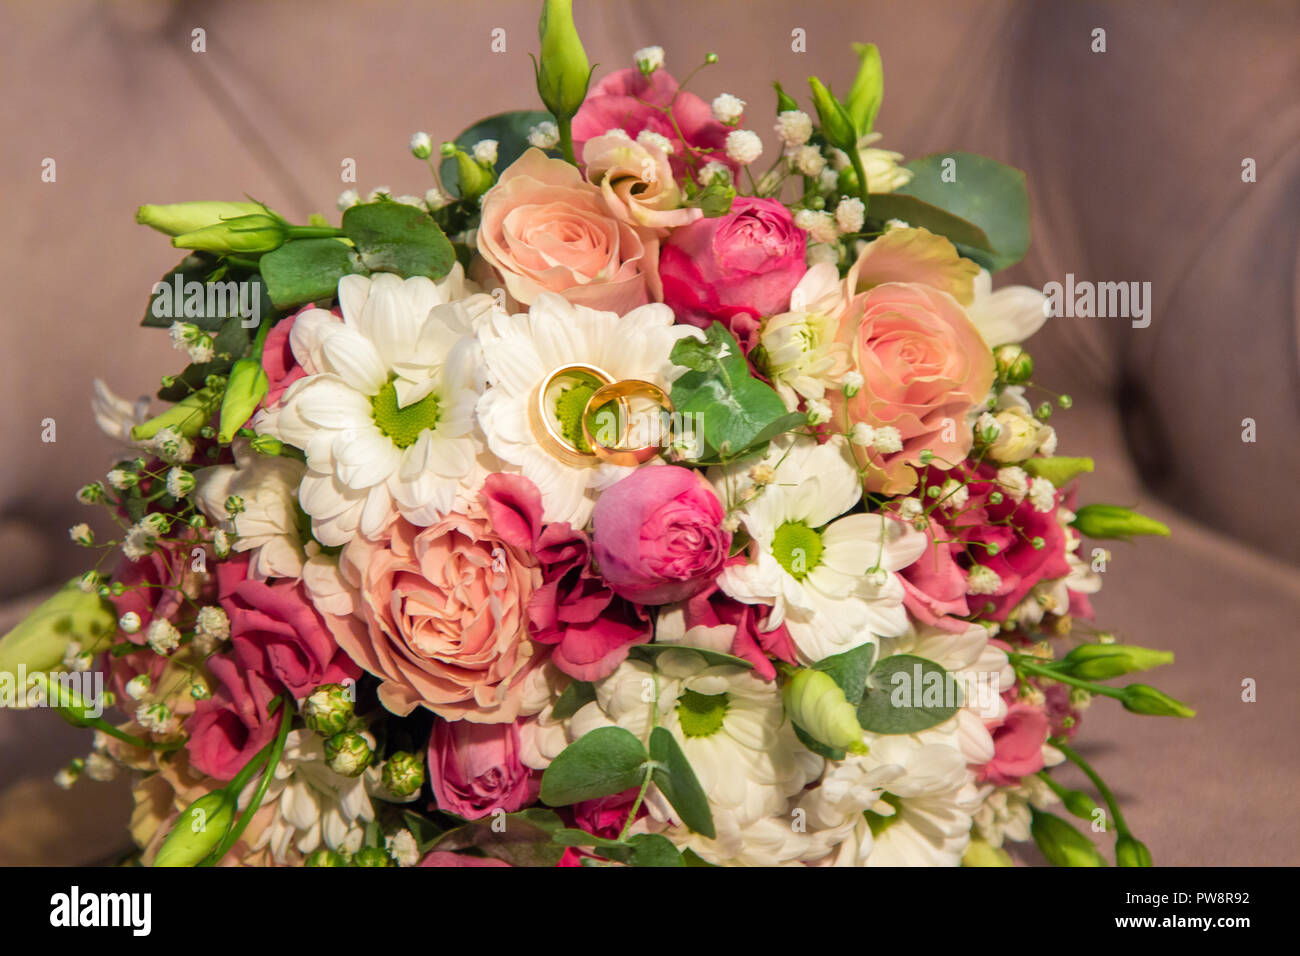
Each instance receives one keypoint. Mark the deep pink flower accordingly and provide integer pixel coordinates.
(1017, 745)
(227, 729)
(751, 641)
(159, 583)
(443, 858)
(934, 586)
(474, 769)
(278, 361)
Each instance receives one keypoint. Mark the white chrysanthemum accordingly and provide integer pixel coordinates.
(799, 347)
(268, 525)
(812, 568)
(521, 351)
(386, 412)
(313, 804)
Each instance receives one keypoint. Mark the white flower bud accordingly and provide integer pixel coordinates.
(421, 145)
(888, 440)
(744, 146)
(794, 127)
(485, 152)
(162, 636)
(862, 434)
(347, 199)
(850, 214)
(809, 161)
(648, 59)
(545, 135)
(129, 622)
(982, 580)
(728, 109)
(652, 140)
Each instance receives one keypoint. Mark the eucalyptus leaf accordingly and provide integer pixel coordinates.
(395, 237)
(906, 694)
(521, 839)
(850, 671)
(578, 694)
(678, 783)
(307, 270)
(604, 761)
(163, 309)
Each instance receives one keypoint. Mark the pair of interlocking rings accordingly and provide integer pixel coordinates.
(552, 438)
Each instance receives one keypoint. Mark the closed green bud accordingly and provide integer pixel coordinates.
(563, 71)
(186, 417)
(198, 830)
(1061, 843)
(372, 856)
(348, 753)
(817, 704)
(40, 640)
(1131, 852)
(403, 774)
(981, 853)
(1014, 364)
(67, 700)
(266, 445)
(715, 199)
(784, 102)
(475, 178)
(178, 218)
(836, 125)
(243, 235)
(326, 857)
(245, 389)
(328, 709)
(1104, 661)
(1059, 470)
(863, 102)
(1079, 804)
(1113, 521)
(1143, 699)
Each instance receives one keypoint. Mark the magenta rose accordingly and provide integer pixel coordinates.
(276, 631)
(278, 361)
(657, 535)
(1017, 745)
(735, 268)
(752, 639)
(474, 769)
(228, 728)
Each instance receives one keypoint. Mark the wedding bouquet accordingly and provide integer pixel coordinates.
(617, 501)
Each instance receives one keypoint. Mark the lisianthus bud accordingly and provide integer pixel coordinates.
(258, 232)
(325, 857)
(817, 704)
(186, 417)
(1143, 699)
(1015, 365)
(348, 753)
(714, 199)
(836, 124)
(245, 389)
(1059, 471)
(474, 177)
(1061, 843)
(40, 641)
(266, 445)
(563, 70)
(863, 102)
(1104, 661)
(1113, 521)
(328, 709)
(403, 774)
(1130, 851)
(372, 856)
(178, 218)
(198, 830)
(981, 853)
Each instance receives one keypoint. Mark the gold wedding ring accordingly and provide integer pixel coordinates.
(541, 415)
(623, 392)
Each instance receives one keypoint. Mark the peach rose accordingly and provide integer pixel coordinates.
(924, 366)
(545, 229)
(440, 617)
(637, 182)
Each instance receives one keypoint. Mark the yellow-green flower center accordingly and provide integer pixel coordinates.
(403, 425)
(701, 714)
(568, 410)
(879, 823)
(798, 548)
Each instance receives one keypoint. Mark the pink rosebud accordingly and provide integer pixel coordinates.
(474, 769)
(1017, 745)
(657, 535)
(226, 730)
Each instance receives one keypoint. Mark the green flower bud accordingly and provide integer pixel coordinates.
(1131, 852)
(371, 856)
(245, 389)
(178, 218)
(474, 177)
(784, 102)
(1104, 661)
(563, 71)
(863, 102)
(266, 445)
(817, 704)
(981, 853)
(403, 774)
(185, 418)
(325, 857)
(1059, 471)
(198, 830)
(1113, 521)
(715, 199)
(1015, 365)
(328, 709)
(67, 700)
(1079, 803)
(40, 641)
(252, 234)
(348, 753)
(1142, 699)
(1061, 843)
(836, 125)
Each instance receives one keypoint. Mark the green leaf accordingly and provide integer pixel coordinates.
(678, 783)
(307, 270)
(510, 130)
(606, 760)
(918, 212)
(229, 344)
(986, 193)
(425, 831)
(577, 695)
(654, 849)
(898, 701)
(648, 652)
(394, 237)
(815, 745)
(850, 670)
(163, 310)
(691, 858)
(525, 839)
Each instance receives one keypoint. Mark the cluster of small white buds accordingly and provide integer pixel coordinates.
(162, 636)
(652, 140)
(211, 627)
(220, 543)
(129, 623)
(378, 193)
(819, 411)
(82, 535)
(421, 145)
(850, 214)
(171, 446)
(157, 719)
(179, 482)
(189, 338)
(1042, 495)
(100, 767)
(819, 225)
(138, 542)
(403, 848)
(982, 580)
(744, 146)
(851, 383)
(89, 582)
(731, 523)
(139, 686)
(1014, 481)
(728, 109)
(888, 440)
(434, 199)
(713, 171)
(91, 494)
(877, 577)
(897, 224)
(987, 429)
(794, 128)
(828, 180)
(648, 59)
(485, 151)
(910, 508)
(953, 494)
(862, 435)
(69, 775)
(762, 475)
(347, 199)
(809, 161)
(121, 479)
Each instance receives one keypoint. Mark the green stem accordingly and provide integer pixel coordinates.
(565, 125)
(312, 232)
(863, 192)
(1021, 662)
(1121, 828)
(255, 804)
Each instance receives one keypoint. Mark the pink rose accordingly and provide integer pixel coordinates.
(934, 585)
(229, 728)
(924, 365)
(474, 769)
(441, 617)
(735, 268)
(752, 639)
(631, 101)
(276, 631)
(544, 229)
(1017, 745)
(657, 535)
(278, 361)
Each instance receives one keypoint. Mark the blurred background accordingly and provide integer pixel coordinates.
(1134, 157)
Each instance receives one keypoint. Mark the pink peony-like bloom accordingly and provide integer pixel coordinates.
(474, 769)
(734, 269)
(441, 617)
(227, 729)
(924, 365)
(545, 229)
(162, 584)
(276, 631)
(657, 535)
(630, 101)
(278, 361)
(1017, 745)
(574, 610)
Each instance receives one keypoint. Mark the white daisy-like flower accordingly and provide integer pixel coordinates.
(385, 415)
(810, 564)
(1012, 314)
(800, 351)
(268, 524)
(1004, 812)
(522, 351)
